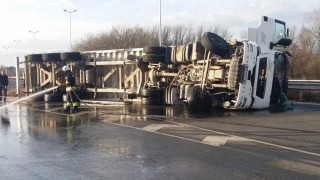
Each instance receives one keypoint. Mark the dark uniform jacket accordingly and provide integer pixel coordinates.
(4, 80)
(70, 82)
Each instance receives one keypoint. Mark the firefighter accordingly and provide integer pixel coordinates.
(70, 88)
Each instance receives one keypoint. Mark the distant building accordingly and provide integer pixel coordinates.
(11, 70)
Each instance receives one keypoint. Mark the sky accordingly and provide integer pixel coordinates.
(18, 17)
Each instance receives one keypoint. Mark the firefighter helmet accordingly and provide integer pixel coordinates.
(65, 68)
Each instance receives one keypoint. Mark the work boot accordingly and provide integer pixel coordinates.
(75, 109)
(66, 110)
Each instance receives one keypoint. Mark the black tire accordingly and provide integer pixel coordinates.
(155, 93)
(34, 57)
(132, 96)
(196, 100)
(153, 58)
(168, 55)
(131, 57)
(143, 66)
(53, 97)
(154, 50)
(151, 101)
(70, 56)
(214, 43)
(51, 57)
(38, 98)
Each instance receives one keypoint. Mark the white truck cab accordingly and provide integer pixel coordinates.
(259, 56)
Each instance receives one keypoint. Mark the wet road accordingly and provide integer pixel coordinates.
(142, 142)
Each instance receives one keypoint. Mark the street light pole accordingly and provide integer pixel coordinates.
(17, 41)
(70, 12)
(160, 24)
(34, 39)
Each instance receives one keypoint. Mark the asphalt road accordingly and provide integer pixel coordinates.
(143, 142)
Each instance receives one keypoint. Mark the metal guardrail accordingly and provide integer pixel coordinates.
(304, 84)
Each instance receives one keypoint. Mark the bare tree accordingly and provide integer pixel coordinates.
(137, 36)
(166, 32)
(179, 33)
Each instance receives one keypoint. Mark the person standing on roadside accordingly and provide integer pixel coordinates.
(3, 85)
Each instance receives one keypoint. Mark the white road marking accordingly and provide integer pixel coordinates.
(156, 127)
(222, 140)
(253, 140)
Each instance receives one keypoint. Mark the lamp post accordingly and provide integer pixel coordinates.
(160, 24)
(70, 12)
(34, 39)
(17, 41)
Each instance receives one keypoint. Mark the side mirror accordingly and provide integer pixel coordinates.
(284, 42)
(281, 42)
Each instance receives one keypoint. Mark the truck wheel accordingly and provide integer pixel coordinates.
(151, 101)
(153, 58)
(131, 57)
(34, 57)
(196, 100)
(38, 98)
(155, 93)
(214, 43)
(70, 56)
(53, 97)
(143, 66)
(51, 57)
(154, 50)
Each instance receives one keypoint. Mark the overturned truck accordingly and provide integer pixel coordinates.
(212, 72)
(235, 75)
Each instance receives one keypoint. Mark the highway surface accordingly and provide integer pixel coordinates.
(144, 142)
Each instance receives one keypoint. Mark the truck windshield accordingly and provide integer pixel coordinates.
(261, 85)
(280, 31)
